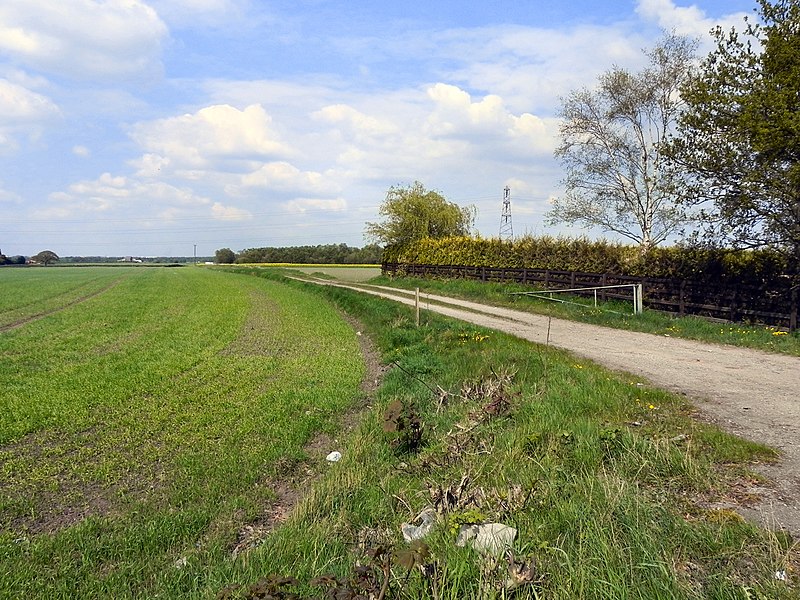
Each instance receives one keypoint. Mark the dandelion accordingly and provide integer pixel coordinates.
(578, 366)
(651, 407)
(779, 333)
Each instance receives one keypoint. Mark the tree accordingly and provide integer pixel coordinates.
(610, 140)
(413, 213)
(224, 256)
(739, 139)
(45, 257)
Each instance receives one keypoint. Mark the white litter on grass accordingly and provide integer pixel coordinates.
(416, 532)
(334, 456)
(780, 575)
(491, 538)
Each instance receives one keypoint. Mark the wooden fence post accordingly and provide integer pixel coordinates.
(793, 313)
(682, 299)
(416, 304)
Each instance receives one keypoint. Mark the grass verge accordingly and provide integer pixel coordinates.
(611, 485)
(610, 314)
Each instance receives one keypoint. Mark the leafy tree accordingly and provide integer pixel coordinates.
(324, 253)
(610, 140)
(739, 139)
(45, 257)
(413, 213)
(224, 256)
(369, 254)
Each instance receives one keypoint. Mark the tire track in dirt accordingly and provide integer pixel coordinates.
(31, 318)
(750, 393)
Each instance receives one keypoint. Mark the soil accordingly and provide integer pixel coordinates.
(753, 394)
(288, 488)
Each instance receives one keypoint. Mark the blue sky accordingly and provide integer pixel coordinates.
(146, 127)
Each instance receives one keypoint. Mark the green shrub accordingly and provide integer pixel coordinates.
(750, 267)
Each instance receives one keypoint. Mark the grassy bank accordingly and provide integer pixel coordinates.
(612, 486)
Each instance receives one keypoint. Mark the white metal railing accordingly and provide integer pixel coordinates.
(637, 294)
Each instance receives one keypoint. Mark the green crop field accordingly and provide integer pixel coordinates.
(152, 419)
(163, 434)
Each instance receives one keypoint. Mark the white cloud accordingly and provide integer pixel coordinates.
(283, 176)
(531, 67)
(302, 205)
(83, 39)
(191, 13)
(356, 122)
(149, 166)
(23, 78)
(122, 195)
(229, 213)
(216, 137)
(22, 113)
(20, 104)
(455, 114)
(684, 20)
(81, 151)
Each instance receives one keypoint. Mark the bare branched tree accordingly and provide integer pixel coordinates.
(610, 140)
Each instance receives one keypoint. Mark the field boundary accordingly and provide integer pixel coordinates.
(759, 404)
(775, 304)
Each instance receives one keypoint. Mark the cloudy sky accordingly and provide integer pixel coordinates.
(146, 127)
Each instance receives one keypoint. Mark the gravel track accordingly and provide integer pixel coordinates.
(750, 393)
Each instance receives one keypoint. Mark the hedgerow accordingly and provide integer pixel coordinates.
(754, 267)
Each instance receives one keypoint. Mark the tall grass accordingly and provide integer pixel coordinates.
(608, 482)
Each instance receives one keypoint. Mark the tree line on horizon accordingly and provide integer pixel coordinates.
(45, 257)
(334, 254)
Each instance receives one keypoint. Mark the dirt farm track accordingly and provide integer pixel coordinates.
(753, 394)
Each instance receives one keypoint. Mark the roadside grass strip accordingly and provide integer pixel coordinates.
(610, 314)
(142, 429)
(613, 487)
